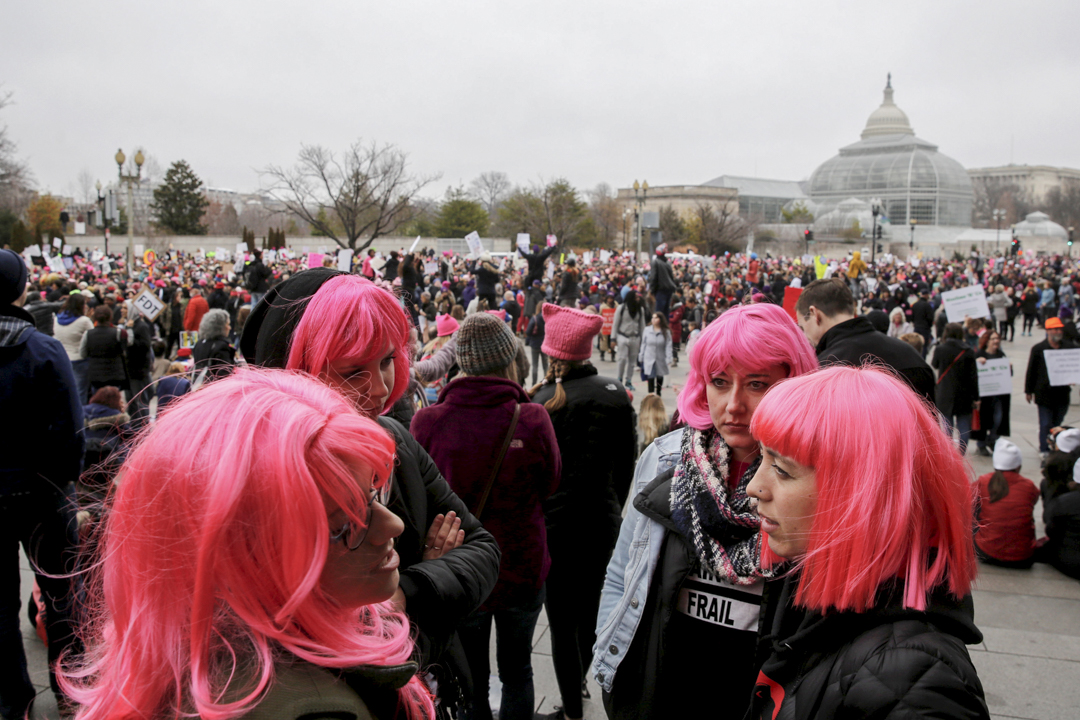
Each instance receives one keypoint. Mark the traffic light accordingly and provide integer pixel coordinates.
(877, 232)
(809, 234)
(1015, 248)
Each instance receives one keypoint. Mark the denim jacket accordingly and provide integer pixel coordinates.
(630, 570)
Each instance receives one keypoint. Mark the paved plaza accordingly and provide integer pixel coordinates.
(1029, 661)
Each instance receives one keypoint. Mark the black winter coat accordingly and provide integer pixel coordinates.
(661, 278)
(855, 341)
(536, 263)
(597, 440)
(439, 594)
(887, 663)
(215, 355)
(1037, 381)
(958, 380)
(922, 316)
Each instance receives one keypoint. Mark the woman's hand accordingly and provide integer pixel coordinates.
(444, 535)
(982, 360)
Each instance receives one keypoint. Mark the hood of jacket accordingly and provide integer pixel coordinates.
(482, 391)
(15, 326)
(66, 318)
(100, 416)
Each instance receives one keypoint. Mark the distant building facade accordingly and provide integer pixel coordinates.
(1033, 182)
(761, 200)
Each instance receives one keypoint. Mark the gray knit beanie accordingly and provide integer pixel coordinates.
(485, 344)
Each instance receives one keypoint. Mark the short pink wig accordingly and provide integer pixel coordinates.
(351, 317)
(748, 338)
(894, 497)
(212, 550)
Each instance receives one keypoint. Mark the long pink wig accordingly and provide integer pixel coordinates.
(894, 498)
(351, 317)
(212, 550)
(748, 338)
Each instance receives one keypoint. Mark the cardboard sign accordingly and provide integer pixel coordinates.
(475, 246)
(586, 257)
(995, 377)
(66, 250)
(431, 267)
(552, 241)
(80, 228)
(188, 339)
(791, 296)
(314, 260)
(604, 256)
(523, 242)
(57, 242)
(344, 260)
(148, 304)
(1062, 366)
(969, 302)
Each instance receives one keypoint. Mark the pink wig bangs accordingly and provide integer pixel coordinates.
(748, 338)
(212, 550)
(351, 317)
(894, 495)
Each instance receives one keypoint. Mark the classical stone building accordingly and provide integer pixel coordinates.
(1032, 182)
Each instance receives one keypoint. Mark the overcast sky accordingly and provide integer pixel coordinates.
(675, 93)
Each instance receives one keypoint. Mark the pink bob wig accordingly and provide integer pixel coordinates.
(212, 548)
(894, 498)
(747, 338)
(351, 317)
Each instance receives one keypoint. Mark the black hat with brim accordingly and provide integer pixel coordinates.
(269, 328)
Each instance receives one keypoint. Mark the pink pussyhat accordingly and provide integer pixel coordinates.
(446, 325)
(568, 333)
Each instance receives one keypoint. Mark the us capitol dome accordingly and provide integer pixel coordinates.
(909, 175)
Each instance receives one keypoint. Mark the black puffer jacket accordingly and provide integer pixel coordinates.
(887, 663)
(855, 341)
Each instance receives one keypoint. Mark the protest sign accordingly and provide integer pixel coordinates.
(475, 246)
(344, 260)
(1062, 366)
(965, 302)
(414, 243)
(523, 242)
(586, 257)
(431, 267)
(66, 250)
(604, 256)
(314, 260)
(148, 304)
(552, 241)
(57, 242)
(995, 377)
(56, 264)
(188, 339)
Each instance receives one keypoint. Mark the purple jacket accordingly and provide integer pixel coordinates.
(463, 432)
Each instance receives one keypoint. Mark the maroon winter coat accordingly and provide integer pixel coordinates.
(463, 432)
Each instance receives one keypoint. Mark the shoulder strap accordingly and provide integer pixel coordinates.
(499, 461)
(958, 356)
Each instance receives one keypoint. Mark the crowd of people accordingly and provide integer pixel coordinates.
(278, 487)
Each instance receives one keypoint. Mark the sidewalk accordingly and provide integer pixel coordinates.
(1029, 662)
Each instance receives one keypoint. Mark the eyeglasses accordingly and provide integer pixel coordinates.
(352, 536)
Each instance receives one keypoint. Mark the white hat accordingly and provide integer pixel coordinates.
(1068, 440)
(1006, 455)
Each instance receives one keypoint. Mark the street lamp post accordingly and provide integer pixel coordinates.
(626, 214)
(130, 179)
(1068, 248)
(912, 243)
(639, 199)
(999, 215)
(875, 210)
(104, 215)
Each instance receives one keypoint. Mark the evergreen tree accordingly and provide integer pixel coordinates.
(458, 216)
(180, 203)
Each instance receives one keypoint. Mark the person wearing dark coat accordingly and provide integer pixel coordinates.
(922, 318)
(390, 269)
(213, 353)
(105, 346)
(465, 433)
(994, 410)
(438, 592)
(43, 312)
(1051, 400)
(569, 291)
(661, 280)
(957, 390)
(826, 313)
(1061, 515)
(42, 419)
(534, 338)
(536, 262)
(257, 281)
(487, 276)
(594, 424)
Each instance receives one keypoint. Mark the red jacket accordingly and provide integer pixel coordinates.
(463, 432)
(194, 314)
(1007, 527)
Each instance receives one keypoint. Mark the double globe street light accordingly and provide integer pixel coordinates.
(130, 180)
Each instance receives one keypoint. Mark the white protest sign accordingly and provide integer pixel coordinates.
(344, 260)
(241, 248)
(604, 256)
(414, 243)
(475, 246)
(56, 264)
(523, 242)
(550, 271)
(431, 267)
(139, 250)
(66, 250)
(1062, 366)
(80, 228)
(969, 301)
(270, 255)
(587, 257)
(222, 254)
(57, 242)
(148, 304)
(995, 377)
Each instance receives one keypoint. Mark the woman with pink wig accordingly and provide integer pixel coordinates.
(245, 563)
(873, 513)
(354, 336)
(677, 631)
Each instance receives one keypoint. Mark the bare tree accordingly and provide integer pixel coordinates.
(717, 228)
(85, 184)
(605, 213)
(490, 189)
(365, 192)
(16, 182)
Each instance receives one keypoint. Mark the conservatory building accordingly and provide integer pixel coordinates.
(912, 179)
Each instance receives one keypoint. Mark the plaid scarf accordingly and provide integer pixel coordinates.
(722, 527)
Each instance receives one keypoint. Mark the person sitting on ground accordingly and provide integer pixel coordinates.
(1005, 511)
(1061, 514)
(826, 313)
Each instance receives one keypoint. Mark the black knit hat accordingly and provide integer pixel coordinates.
(12, 276)
(485, 344)
(269, 329)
